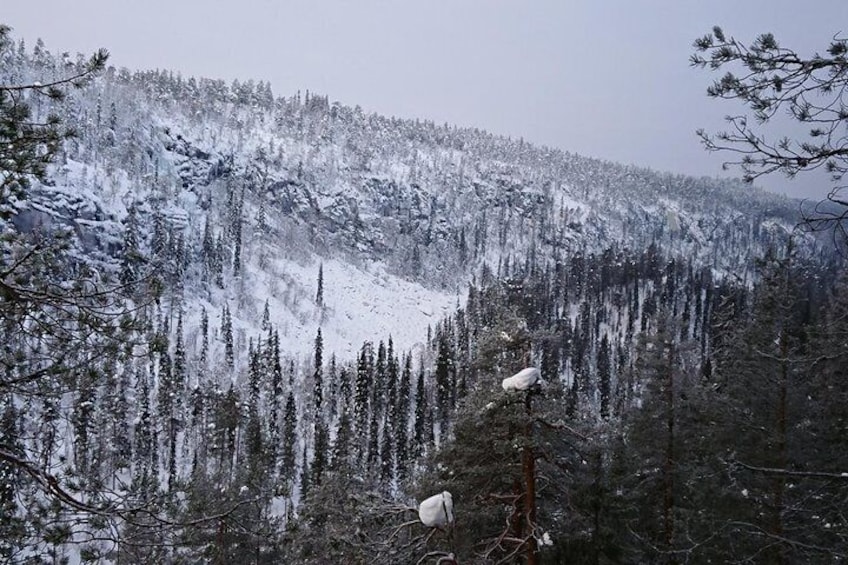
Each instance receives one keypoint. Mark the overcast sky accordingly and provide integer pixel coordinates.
(606, 79)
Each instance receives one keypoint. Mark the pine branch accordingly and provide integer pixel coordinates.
(790, 473)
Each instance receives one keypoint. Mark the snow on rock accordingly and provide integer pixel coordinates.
(522, 380)
(436, 511)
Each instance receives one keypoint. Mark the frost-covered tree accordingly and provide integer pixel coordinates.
(401, 428)
(362, 393)
(319, 294)
(318, 376)
(289, 441)
(227, 333)
(27, 144)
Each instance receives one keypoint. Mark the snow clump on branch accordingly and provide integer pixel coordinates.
(436, 511)
(522, 380)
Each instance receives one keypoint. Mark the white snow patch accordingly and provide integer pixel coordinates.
(436, 511)
(522, 380)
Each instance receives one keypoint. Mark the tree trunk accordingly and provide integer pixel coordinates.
(597, 504)
(529, 468)
(668, 469)
(779, 480)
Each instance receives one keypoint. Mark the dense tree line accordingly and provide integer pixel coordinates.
(688, 413)
(684, 418)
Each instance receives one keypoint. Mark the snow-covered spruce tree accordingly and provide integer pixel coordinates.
(321, 435)
(445, 378)
(388, 448)
(287, 453)
(422, 431)
(275, 394)
(319, 294)
(401, 428)
(364, 383)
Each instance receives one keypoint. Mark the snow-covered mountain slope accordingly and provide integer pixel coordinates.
(242, 196)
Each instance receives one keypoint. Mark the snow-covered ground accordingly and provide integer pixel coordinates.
(360, 304)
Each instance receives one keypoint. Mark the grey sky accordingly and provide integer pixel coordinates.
(607, 79)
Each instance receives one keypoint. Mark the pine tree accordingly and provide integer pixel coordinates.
(159, 243)
(266, 317)
(144, 432)
(362, 392)
(390, 420)
(378, 389)
(257, 459)
(237, 235)
(402, 420)
(208, 253)
(227, 332)
(604, 365)
(177, 261)
(131, 258)
(321, 451)
(61, 318)
(387, 454)
(12, 527)
(204, 339)
(341, 460)
(444, 380)
(179, 373)
(319, 295)
(82, 417)
(276, 400)
(372, 454)
(289, 437)
(317, 376)
(254, 371)
(490, 463)
(199, 430)
(320, 444)
(227, 425)
(219, 261)
(165, 397)
(119, 410)
(305, 475)
(333, 387)
(420, 431)
(822, 445)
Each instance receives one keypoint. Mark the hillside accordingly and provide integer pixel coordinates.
(273, 323)
(289, 182)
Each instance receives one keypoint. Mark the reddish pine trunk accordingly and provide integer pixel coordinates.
(529, 468)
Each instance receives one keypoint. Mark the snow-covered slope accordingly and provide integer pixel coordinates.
(402, 214)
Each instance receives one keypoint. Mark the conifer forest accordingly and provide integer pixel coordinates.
(246, 328)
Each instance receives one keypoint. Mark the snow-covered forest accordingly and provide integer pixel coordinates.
(244, 328)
